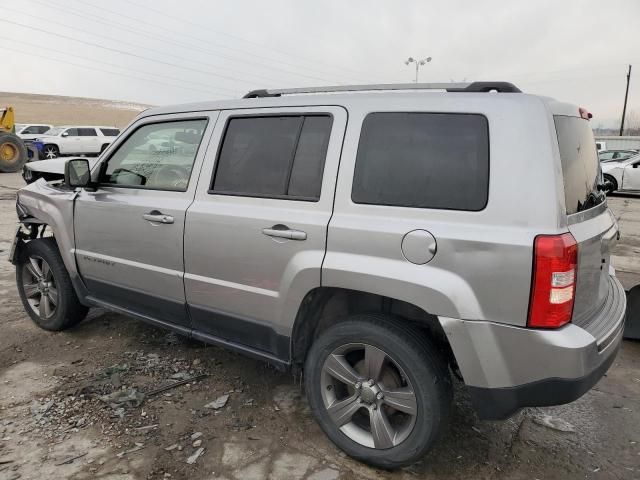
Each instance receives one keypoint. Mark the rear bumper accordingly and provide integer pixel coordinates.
(507, 368)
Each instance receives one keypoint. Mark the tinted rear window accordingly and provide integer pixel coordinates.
(110, 132)
(275, 156)
(580, 164)
(423, 160)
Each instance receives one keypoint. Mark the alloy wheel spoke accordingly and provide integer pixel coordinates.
(338, 367)
(31, 290)
(45, 306)
(402, 399)
(381, 430)
(53, 295)
(341, 411)
(34, 268)
(373, 360)
(46, 271)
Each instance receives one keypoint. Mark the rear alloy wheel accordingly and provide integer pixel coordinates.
(379, 389)
(363, 402)
(51, 151)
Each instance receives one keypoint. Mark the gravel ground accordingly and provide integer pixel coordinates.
(60, 417)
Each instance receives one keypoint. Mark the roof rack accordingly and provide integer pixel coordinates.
(501, 87)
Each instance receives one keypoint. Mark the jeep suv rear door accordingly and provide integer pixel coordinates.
(129, 232)
(255, 236)
(89, 141)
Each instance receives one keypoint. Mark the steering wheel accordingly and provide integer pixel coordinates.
(172, 176)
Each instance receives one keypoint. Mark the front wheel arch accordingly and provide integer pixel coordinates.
(613, 181)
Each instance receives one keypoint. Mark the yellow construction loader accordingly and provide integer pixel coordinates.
(13, 152)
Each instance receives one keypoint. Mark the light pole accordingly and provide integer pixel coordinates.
(419, 63)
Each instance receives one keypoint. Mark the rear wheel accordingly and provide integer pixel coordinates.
(13, 153)
(103, 147)
(379, 390)
(50, 151)
(45, 287)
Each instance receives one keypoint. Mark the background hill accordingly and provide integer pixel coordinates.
(60, 110)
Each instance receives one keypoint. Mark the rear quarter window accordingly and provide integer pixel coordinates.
(110, 132)
(423, 160)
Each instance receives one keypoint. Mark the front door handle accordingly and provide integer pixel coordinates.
(157, 217)
(282, 231)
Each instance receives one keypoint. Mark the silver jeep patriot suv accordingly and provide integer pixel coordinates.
(378, 238)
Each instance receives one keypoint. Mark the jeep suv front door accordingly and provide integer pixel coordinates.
(255, 236)
(129, 232)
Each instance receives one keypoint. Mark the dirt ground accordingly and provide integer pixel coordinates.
(54, 424)
(59, 110)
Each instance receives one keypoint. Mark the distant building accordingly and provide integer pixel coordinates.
(614, 142)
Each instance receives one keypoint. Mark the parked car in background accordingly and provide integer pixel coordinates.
(29, 131)
(377, 242)
(75, 140)
(615, 155)
(624, 175)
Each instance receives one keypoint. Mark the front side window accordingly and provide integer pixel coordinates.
(72, 132)
(273, 156)
(423, 160)
(156, 156)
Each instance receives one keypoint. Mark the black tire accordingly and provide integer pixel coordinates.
(50, 151)
(103, 147)
(68, 309)
(613, 182)
(13, 153)
(424, 368)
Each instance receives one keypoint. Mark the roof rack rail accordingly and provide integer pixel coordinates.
(502, 87)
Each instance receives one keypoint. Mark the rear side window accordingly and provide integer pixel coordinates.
(423, 160)
(274, 156)
(87, 132)
(110, 132)
(580, 165)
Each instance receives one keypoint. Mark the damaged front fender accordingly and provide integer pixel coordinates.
(43, 203)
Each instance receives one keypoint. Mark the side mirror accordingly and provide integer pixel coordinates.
(64, 134)
(77, 173)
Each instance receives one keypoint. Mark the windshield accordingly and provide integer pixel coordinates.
(55, 130)
(580, 163)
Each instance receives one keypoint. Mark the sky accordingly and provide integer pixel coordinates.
(165, 52)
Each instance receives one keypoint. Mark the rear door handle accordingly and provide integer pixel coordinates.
(282, 231)
(157, 217)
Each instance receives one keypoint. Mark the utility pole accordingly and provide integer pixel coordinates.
(626, 95)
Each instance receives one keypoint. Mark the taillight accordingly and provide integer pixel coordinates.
(555, 259)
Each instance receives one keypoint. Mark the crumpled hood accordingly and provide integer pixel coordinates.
(56, 165)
